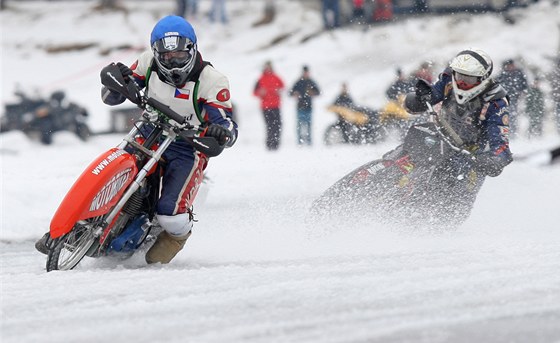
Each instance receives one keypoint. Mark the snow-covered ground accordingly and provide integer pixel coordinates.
(253, 271)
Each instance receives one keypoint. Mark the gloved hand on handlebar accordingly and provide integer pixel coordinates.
(125, 71)
(423, 91)
(219, 132)
(488, 165)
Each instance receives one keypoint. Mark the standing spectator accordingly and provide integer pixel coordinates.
(193, 7)
(331, 14)
(358, 12)
(304, 90)
(383, 10)
(515, 82)
(218, 8)
(555, 90)
(268, 89)
(400, 86)
(344, 98)
(182, 8)
(420, 6)
(535, 108)
(554, 155)
(187, 8)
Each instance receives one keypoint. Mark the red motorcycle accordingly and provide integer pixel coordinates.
(110, 207)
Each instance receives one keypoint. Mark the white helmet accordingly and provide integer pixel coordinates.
(471, 72)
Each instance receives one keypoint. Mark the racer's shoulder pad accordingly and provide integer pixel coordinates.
(494, 92)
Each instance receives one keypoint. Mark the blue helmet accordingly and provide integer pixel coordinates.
(174, 46)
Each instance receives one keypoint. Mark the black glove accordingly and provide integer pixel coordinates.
(488, 165)
(423, 91)
(219, 132)
(125, 71)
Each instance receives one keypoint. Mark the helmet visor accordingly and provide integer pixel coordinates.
(174, 59)
(174, 52)
(466, 82)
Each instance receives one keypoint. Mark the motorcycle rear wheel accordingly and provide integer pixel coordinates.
(68, 250)
(354, 191)
(334, 135)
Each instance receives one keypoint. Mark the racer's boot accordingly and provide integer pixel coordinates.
(166, 247)
(42, 245)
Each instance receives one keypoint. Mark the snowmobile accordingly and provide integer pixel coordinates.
(110, 209)
(43, 117)
(363, 125)
(354, 125)
(427, 180)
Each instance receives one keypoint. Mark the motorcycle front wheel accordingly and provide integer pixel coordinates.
(68, 250)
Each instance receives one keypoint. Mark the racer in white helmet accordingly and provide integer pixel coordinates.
(471, 71)
(474, 106)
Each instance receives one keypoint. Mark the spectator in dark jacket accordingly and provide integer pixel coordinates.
(304, 90)
(535, 108)
(554, 79)
(331, 14)
(187, 8)
(344, 98)
(514, 81)
(268, 88)
(358, 12)
(400, 86)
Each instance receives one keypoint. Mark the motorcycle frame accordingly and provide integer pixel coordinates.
(155, 157)
(68, 214)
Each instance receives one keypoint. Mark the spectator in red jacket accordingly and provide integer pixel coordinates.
(268, 88)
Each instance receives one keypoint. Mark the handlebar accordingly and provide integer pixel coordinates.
(168, 111)
(452, 133)
(207, 145)
(112, 78)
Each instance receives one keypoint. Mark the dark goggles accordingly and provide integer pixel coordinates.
(466, 82)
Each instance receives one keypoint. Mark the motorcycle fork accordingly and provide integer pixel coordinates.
(106, 228)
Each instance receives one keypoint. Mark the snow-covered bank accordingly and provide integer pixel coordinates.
(253, 271)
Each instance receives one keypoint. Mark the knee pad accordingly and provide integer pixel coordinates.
(177, 225)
